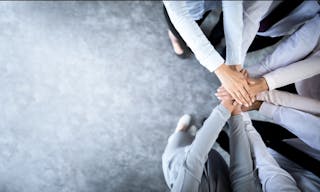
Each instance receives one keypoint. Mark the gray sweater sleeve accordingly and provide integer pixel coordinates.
(241, 166)
(204, 140)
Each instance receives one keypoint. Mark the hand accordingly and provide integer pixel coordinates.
(257, 86)
(235, 83)
(255, 106)
(227, 101)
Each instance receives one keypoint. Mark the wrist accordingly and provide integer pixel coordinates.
(227, 105)
(264, 84)
(220, 69)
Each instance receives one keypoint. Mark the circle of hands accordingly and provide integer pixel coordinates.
(238, 91)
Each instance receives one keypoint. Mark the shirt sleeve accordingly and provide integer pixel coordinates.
(287, 99)
(198, 152)
(193, 35)
(272, 177)
(293, 73)
(233, 27)
(303, 125)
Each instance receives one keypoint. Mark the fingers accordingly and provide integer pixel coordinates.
(237, 98)
(251, 81)
(248, 91)
(223, 96)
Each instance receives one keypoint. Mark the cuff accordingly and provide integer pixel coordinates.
(262, 96)
(223, 111)
(267, 109)
(233, 58)
(270, 81)
(212, 62)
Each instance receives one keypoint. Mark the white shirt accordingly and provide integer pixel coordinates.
(183, 15)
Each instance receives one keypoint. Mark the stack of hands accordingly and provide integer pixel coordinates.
(238, 90)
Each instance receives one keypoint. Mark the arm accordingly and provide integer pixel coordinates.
(286, 99)
(232, 80)
(241, 166)
(189, 177)
(233, 27)
(293, 73)
(272, 177)
(303, 125)
(205, 139)
(286, 75)
(294, 48)
(193, 35)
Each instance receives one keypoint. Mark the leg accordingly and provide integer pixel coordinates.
(217, 32)
(177, 42)
(181, 137)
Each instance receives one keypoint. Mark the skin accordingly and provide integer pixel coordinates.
(230, 77)
(223, 95)
(175, 43)
(257, 86)
(235, 82)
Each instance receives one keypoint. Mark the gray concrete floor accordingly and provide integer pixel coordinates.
(90, 92)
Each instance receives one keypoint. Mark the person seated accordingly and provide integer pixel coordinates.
(190, 164)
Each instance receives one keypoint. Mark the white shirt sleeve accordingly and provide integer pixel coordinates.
(192, 35)
(303, 125)
(233, 25)
(293, 73)
(291, 100)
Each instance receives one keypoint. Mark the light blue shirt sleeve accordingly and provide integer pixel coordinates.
(302, 124)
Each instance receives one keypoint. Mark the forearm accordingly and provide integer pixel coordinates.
(241, 166)
(293, 73)
(303, 125)
(296, 47)
(271, 176)
(205, 139)
(193, 35)
(252, 15)
(233, 26)
(291, 100)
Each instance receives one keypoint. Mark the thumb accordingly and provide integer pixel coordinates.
(251, 81)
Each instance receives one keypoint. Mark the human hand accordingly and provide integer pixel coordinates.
(257, 86)
(227, 101)
(255, 106)
(235, 83)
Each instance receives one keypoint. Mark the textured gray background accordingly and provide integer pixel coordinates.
(90, 91)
